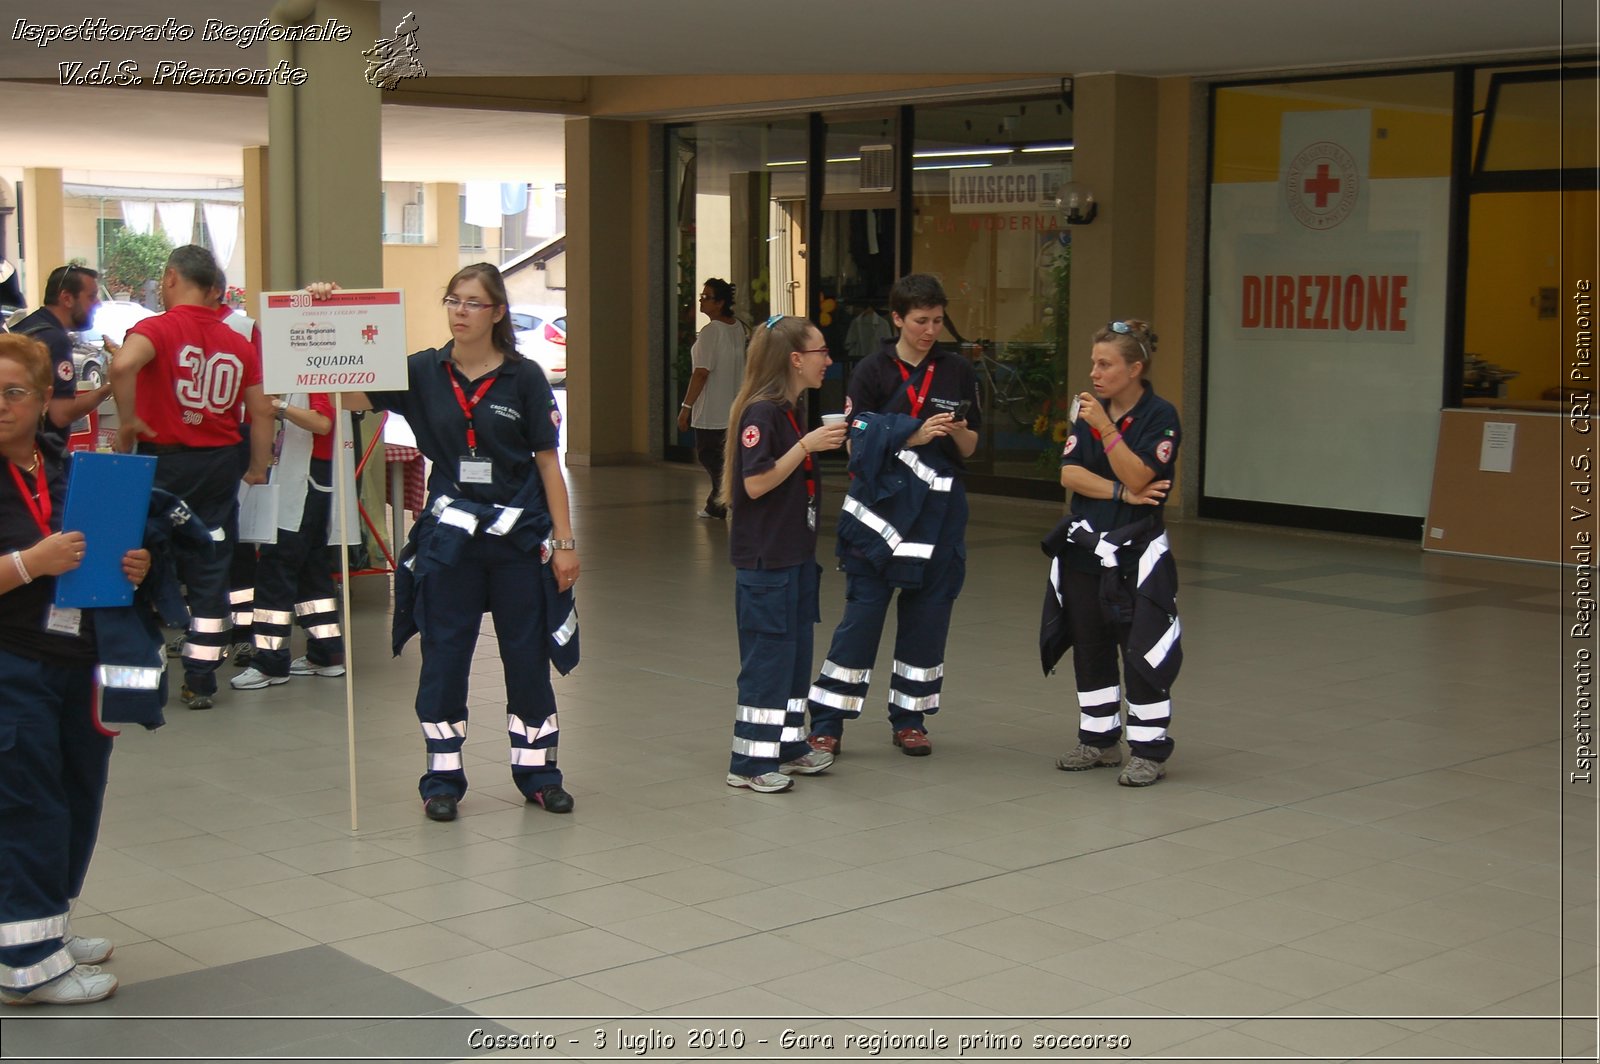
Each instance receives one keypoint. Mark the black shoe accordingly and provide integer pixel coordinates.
(553, 798)
(440, 807)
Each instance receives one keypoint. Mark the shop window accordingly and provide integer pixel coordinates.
(988, 182)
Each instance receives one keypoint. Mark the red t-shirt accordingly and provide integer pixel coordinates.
(189, 393)
(322, 446)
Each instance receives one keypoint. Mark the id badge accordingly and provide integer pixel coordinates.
(64, 620)
(476, 471)
(811, 516)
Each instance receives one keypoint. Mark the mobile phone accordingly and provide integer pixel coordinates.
(960, 412)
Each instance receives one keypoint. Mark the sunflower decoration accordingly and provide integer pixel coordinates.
(829, 304)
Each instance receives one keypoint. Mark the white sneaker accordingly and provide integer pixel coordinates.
(766, 783)
(812, 763)
(79, 986)
(86, 950)
(302, 666)
(253, 679)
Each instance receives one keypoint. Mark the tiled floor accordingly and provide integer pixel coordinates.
(1365, 817)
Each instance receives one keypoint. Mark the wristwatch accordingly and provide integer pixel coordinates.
(563, 544)
(280, 404)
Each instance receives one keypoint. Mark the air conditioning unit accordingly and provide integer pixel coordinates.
(877, 168)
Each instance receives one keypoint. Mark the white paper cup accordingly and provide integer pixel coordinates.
(833, 419)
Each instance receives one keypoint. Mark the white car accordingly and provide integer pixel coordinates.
(542, 336)
(113, 318)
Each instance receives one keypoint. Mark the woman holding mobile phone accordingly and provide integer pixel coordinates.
(914, 377)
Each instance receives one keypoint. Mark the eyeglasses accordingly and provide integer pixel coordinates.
(1122, 328)
(17, 395)
(814, 350)
(471, 306)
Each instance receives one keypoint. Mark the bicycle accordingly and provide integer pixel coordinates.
(1004, 387)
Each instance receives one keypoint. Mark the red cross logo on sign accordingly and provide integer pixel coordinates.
(370, 334)
(1322, 183)
(751, 437)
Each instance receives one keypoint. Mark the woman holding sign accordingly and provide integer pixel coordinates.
(54, 754)
(496, 537)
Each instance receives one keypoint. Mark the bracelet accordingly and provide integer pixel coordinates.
(1116, 492)
(685, 406)
(22, 570)
(1116, 438)
(280, 404)
(563, 544)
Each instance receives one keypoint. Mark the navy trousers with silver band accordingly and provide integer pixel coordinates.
(1096, 643)
(495, 577)
(777, 611)
(207, 479)
(53, 767)
(917, 675)
(295, 571)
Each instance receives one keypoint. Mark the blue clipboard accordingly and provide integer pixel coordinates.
(108, 500)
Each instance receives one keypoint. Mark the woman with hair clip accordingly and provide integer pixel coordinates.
(54, 753)
(772, 488)
(1115, 580)
(496, 536)
(718, 357)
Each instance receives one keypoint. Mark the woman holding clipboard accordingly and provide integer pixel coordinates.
(54, 754)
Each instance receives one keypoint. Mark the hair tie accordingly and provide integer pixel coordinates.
(775, 319)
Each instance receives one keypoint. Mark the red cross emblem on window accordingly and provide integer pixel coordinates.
(370, 333)
(1322, 186)
(752, 436)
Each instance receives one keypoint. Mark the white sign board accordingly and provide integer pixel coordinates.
(353, 341)
(1002, 189)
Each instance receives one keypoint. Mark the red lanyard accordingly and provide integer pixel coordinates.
(468, 405)
(916, 399)
(38, 502)
(811, 480)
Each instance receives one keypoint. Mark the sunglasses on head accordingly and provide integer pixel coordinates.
(1122, 328)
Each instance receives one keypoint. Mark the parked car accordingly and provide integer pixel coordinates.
(542, 336)
(113, 318)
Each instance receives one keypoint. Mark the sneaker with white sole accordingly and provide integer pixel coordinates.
(253, 679)
(1083, 756)
(86, 949)
(766, 783)
(303, 666)
(809, 765)
(1141, 772)
(81, 985)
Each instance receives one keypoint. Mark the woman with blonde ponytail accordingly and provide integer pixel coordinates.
(772, 488)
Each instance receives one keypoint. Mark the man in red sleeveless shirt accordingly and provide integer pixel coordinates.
(178, 381)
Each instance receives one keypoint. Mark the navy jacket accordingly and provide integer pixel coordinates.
(435, 545)
(1138, 588)
(895, 511)
(132, 673)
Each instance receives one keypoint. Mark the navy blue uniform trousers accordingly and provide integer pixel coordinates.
(1096, 642)
(208, 480)
(490, 576)
(923, 617)
(53, 767)
(777, 612)
(296, 571)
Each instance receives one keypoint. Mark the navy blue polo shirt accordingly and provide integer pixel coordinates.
(877, 387)
(516, 417)
(770, 532)
(1150, 430)
(44, 326)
